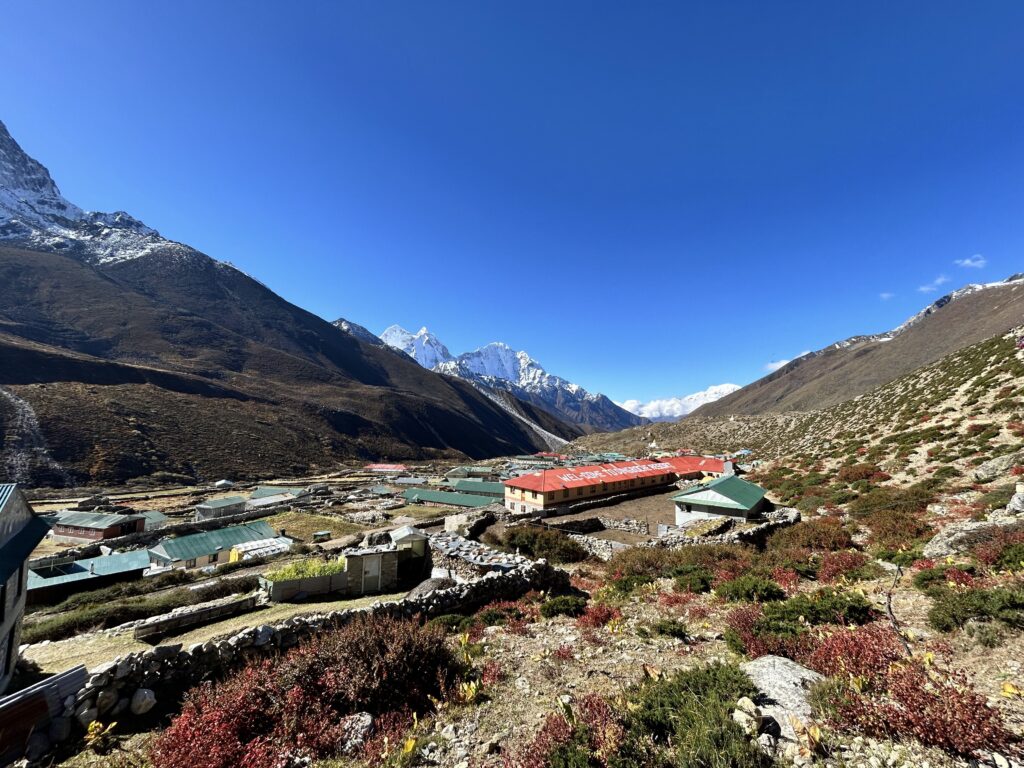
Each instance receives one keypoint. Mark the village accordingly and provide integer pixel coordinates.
(196, 564)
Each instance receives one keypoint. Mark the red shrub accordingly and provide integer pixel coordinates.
(492, 673)
(865, 652)
(598, 615)
(786, 578)
(698, 611)
(742, 623)
(555, 733)
(938, 709)
(835, 565)
(564, 653)
(297, 705)
(1017, 471)
(676, 599)
(991, 549)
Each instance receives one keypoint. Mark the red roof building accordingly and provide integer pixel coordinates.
(546, 489)
(386, 468)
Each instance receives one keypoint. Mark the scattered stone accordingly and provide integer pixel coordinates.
(142, 701)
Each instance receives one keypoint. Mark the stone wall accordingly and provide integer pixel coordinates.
(129, 687)
(599, 548)
(639, 527)
(779, 518)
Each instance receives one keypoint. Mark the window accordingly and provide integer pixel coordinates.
(190, 563)
(565, 494)
(579, 491)
(214, 556)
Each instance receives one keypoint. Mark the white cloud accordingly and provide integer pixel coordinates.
(672, 408)
(934, 284)
(774, 365)
(885, 295)
(977, 261)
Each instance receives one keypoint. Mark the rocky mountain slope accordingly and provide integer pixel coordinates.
(497, 366)
(139, 355)
(861, 363)
(960, 411)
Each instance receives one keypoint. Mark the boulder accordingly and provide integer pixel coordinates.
(142, 701)
(430, 585)
(959, 537)
(784, 686)
(357, 730)
(997, 467)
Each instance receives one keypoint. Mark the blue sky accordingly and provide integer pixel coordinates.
(648, 197)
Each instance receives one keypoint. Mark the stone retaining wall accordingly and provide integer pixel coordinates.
(779, 518)
(130, 686)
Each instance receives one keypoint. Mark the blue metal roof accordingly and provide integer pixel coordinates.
(90, 568)
(6, 491)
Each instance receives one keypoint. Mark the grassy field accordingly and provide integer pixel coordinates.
(302, 525)
(97, 649)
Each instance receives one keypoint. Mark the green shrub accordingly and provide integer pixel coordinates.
(692, 578)
(826, 606)
(953, 609)
(670, 628)
(928, 578)
(626, 585)
(452, 622)
(546, 543)
(822, 534)
(563, 605)
(751, 588)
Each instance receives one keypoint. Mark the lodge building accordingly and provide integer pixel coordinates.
(544, 491)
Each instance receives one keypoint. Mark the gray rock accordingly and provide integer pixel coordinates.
(959, 537)
(785, 686)
(430, 585)
(106, 700)
(142, 701)
(86, 713)
(357, 731)
(997, 467)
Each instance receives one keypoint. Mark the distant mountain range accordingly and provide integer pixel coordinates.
(674, 408)
(498, 367)
(129, 355)
(859, 364)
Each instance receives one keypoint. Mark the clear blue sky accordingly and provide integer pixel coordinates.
(648, 197)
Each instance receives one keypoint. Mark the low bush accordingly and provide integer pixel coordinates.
(294, 708)
(928, 578)
(692, 578)
(937, 708)
(1003, 550)
(564, 605)
(952, 609)
(670, 628)
(627, 585)
(598, 615)
(864, 653)
(684, 720)
(820, 534)
(546, 543)
(852, 566)
(750, 588)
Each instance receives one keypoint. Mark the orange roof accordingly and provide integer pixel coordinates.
(594, 474)
(687, 465)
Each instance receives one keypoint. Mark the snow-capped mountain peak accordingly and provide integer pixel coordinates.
(423, 346)
(34, 214)
(497, 366)
(673, 408)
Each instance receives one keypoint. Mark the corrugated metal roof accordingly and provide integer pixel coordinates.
(227, 501)
(407, 532)
(595, 474)
(445, 497)
(93, 520)
(273, 490)
(480, 487)
(729, 492)
(90, 568)
(686, 465)
(6, 492)
(20, 546)
(197, 545)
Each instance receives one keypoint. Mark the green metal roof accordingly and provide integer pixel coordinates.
(261, 491)
(445, 497)
(197, 545)
(94, 520)
(480, 487)
(227, 501)
(729, 492)
(90, 568)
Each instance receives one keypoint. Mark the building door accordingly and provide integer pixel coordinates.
(371, 574)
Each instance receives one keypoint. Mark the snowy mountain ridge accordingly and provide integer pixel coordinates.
(674, 408)
(34, 214)
(498, 366)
